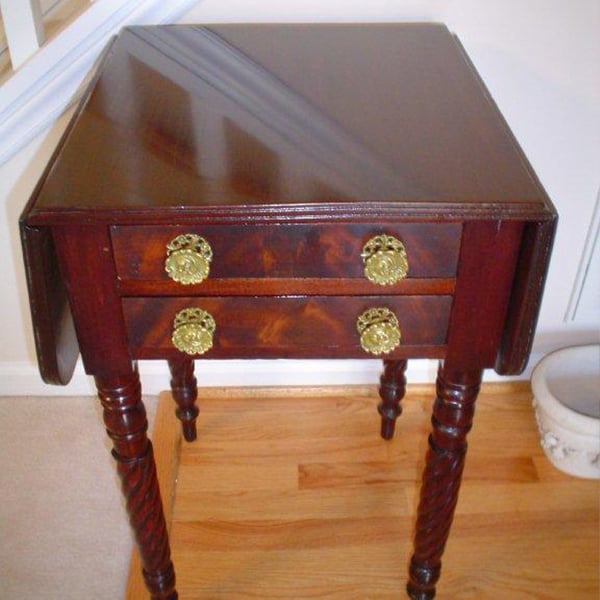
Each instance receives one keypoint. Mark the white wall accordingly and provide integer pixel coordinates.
(539, 59)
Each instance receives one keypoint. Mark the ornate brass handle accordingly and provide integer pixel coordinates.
(193, 331)
(385, 260)
(379, 330)
(188, 259)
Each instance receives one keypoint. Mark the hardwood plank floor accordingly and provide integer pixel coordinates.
(292, 494)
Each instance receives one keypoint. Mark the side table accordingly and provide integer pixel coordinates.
(286, 191)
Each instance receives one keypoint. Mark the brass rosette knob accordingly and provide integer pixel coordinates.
(379, 331)
(188, 259)
(193, 331)
(385, 260)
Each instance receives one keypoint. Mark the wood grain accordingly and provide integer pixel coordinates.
(275, 133)
(310, 503)
(289, 327)
(288, 251)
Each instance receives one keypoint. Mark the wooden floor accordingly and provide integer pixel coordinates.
(291, 494)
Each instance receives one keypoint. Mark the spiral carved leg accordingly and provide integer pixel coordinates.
(185, 392)
(126, 425)
(391, 390)
(452, 419)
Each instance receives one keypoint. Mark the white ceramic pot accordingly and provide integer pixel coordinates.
(566, 391)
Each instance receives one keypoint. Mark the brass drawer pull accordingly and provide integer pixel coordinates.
(385, 260)
(379, 331)
(188, 259)
(193, 331)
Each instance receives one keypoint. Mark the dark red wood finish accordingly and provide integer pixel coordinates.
(55, 339)
(486, 272)
(392, 387)
(452, 420)
(126, 425)
(289, 251)
(287, 147)
(185, 392)
(288, 327)
(309, 286)
(526, 294)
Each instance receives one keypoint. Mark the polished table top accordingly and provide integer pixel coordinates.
(308, 116)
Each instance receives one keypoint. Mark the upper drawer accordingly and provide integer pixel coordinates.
(287, 251)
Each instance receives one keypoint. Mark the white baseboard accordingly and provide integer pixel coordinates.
(22, 378)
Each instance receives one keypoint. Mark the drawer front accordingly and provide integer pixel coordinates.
(288, 327)
(287, 251)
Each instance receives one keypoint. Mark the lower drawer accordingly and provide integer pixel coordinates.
(288, 327)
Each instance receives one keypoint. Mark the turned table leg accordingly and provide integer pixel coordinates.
(126, 425)
(452, 419)
(391, 390)
(185, 392)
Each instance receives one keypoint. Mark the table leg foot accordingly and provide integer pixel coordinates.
(185, 393)
(452, 419)
(160, 581)
(126, 425)
(423, 578)
(391, 390)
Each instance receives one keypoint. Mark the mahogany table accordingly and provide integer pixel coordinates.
(269, 191)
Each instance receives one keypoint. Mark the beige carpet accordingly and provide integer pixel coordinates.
(63, 530)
